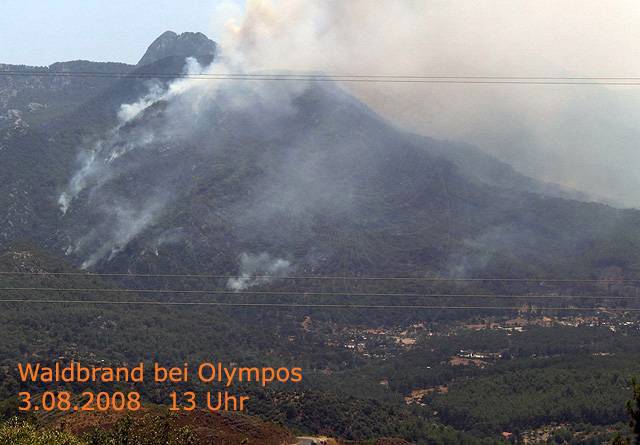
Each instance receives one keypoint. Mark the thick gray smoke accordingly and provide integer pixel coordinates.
(583, 137)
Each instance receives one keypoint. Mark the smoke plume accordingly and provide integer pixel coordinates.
(579, 136)
(582, 137)
(256, 270)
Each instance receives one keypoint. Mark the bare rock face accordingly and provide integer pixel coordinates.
(187, 44)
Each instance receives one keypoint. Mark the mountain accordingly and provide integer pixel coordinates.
(144, 172)
(187, 44)
(282, 177)
(38, 99)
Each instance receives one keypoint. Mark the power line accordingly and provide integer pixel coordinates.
(620, 81)
(305, 293)
(309, 75)
(311, 305)
(326, 277)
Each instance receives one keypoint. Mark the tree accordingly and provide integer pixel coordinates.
(633, 408)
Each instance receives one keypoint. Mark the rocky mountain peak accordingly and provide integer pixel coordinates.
(186, 44)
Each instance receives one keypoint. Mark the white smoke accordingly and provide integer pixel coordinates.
(125, 224)
(94, 163)
(123, 219)
(128, 112)
(256, 270)
(186, 105)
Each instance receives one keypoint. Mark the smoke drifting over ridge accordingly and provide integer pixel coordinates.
(95, 163)
(182, 118)
(122, 218)
(579, 136)
(127, 178)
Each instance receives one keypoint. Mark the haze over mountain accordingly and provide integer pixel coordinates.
(580, 136)
(447, 262)
(143, 174)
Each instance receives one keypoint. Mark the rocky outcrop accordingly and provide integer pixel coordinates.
(187, 44)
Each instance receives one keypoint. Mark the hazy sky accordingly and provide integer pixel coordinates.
(37, 32)
(580, 35)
